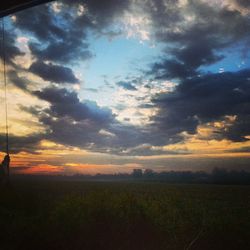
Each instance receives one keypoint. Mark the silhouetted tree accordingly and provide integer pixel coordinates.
(148, 173)
(137, 173)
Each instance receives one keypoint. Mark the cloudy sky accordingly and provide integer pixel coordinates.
(109, 86)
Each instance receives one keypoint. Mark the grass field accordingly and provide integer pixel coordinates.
(101, 215)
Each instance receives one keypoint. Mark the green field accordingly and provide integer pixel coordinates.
(111, 215)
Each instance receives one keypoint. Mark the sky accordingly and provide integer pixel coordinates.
(114, 85)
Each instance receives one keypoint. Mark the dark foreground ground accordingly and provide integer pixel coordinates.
(100, 215)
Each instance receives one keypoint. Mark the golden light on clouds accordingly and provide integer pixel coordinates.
(197, 147)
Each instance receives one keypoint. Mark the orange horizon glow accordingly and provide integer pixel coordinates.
(45, 164)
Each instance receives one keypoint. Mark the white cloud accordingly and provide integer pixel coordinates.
(135, 104)
(106, 133)
(81, 10)
(221, 70)
(24, 60)
(137, 26)
(56, 7)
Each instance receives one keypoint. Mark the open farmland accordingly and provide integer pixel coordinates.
(126, 215)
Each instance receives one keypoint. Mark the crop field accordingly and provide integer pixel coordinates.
(123, 215)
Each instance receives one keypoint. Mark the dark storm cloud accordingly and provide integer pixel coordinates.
(199, 42)
(213, 29)
(40, 22)
(53, 73)
(20, 82)
(240, 128)
(196, 35)
(197, 52)
(11, 50)
(100, 13)
(62, 36)
(243, 3)
(18, 144)
(56, 40)
(67, 104)
(240, 150)
(169, 69)
(205, 99)
(70, 121)
(126, 85)
(62, 51)
(88, 134)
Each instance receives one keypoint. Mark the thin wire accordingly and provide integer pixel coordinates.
(5, 95)
(5, 88)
